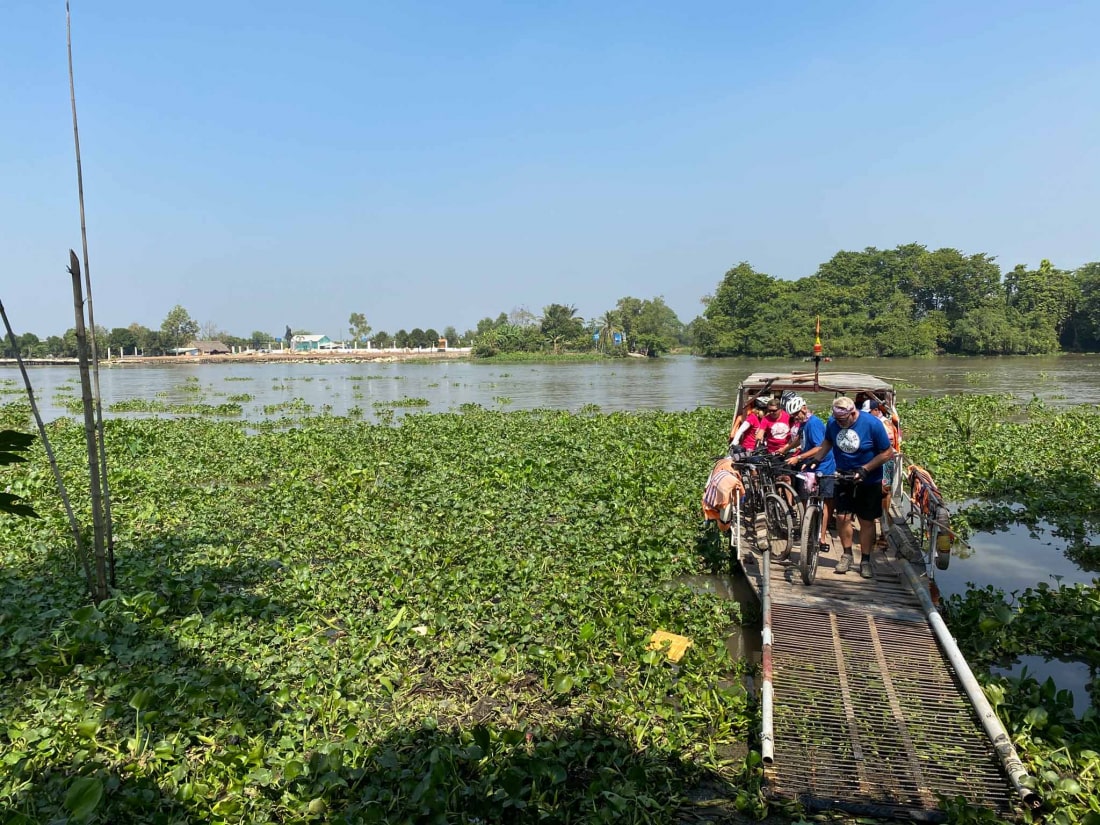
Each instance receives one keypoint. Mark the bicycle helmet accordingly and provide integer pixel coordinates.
(762, 401)
(785, 397)
(794, 404)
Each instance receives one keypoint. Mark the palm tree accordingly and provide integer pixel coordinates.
(560, 322)
(608, 324)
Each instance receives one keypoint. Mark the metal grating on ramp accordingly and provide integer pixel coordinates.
(868, 716)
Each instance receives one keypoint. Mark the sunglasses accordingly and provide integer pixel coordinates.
(844, 412)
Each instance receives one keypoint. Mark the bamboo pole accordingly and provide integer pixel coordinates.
(110, 536)
(95, 485)
(74, 526)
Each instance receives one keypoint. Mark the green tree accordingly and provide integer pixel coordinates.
(451, 334)
(606, 326)
(177, 328)
(260, 339)
(1044, 298)
(381, 339)
(122, 339)
(1086, 315)
(560, 323)
(358, 327)
(738, 313)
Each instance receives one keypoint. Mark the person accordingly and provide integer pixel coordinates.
(879, 411)
(774, 428)
(793, 404)
(811, 432)
(859, 444)
(743, 431)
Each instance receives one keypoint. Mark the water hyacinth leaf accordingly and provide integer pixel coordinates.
(1037, 717)
(1069, 785)
(140, 700)
(83, 797)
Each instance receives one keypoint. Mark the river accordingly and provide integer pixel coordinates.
(671, 383)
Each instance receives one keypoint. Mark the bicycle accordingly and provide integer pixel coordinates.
(771, 499)
(934, 534)
(810, 539)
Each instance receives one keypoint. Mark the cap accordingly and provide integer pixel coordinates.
(843, 404)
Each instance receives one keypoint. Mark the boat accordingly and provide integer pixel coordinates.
(915, 505)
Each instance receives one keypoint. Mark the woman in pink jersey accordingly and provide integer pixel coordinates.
(775, 428)
(745, 432)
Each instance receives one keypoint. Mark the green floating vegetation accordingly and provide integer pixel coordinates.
(158, 406)
(403, 402)
(240, 398)
(341, 621)
(446, 620)
(239, 378)
(295, 405)
(1026, 462)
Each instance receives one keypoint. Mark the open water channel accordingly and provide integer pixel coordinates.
(1012, 559)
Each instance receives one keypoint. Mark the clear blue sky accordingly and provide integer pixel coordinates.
(429, 164)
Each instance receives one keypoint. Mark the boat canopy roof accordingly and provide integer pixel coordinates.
(842, 382)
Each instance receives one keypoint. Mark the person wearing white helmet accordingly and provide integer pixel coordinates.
(811, 432)
(859, 444)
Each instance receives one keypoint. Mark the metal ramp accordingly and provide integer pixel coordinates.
(868, 715)
(868, 719)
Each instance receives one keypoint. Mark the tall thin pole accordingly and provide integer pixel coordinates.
(96, 395)
(95, 482)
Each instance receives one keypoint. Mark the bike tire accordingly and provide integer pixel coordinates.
(779, 522)
(810, 539)
(788, 492)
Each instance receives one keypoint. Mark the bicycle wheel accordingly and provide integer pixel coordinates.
(790, 495)
(811, 539)
(780, 523)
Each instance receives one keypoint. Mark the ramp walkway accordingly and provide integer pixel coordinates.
(869, 715)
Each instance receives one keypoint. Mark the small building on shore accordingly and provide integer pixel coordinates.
(207, 348)
(307, 343)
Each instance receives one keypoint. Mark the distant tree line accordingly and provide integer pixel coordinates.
(894, 302)
(634, 325)
(903, 302)
(179, 329)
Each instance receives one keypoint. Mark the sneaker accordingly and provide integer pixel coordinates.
(844, 564)
(823, 548)
(865, 569)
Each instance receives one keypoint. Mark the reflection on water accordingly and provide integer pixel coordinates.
(1011, 560)
(1071, 676)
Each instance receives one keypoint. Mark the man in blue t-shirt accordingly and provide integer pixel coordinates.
(859, 443)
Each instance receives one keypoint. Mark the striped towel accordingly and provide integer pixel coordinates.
(723, 487)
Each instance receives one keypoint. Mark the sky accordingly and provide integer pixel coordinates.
(430, 164)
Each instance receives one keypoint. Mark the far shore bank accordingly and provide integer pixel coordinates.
(353, 356)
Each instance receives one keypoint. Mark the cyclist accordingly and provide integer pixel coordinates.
(811, 432)
(745, 426)
(879, 411)
(774, 428)
(859, 443)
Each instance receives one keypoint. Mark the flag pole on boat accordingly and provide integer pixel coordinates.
(817, 351)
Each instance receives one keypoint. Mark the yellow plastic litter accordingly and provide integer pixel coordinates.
(677, 645)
